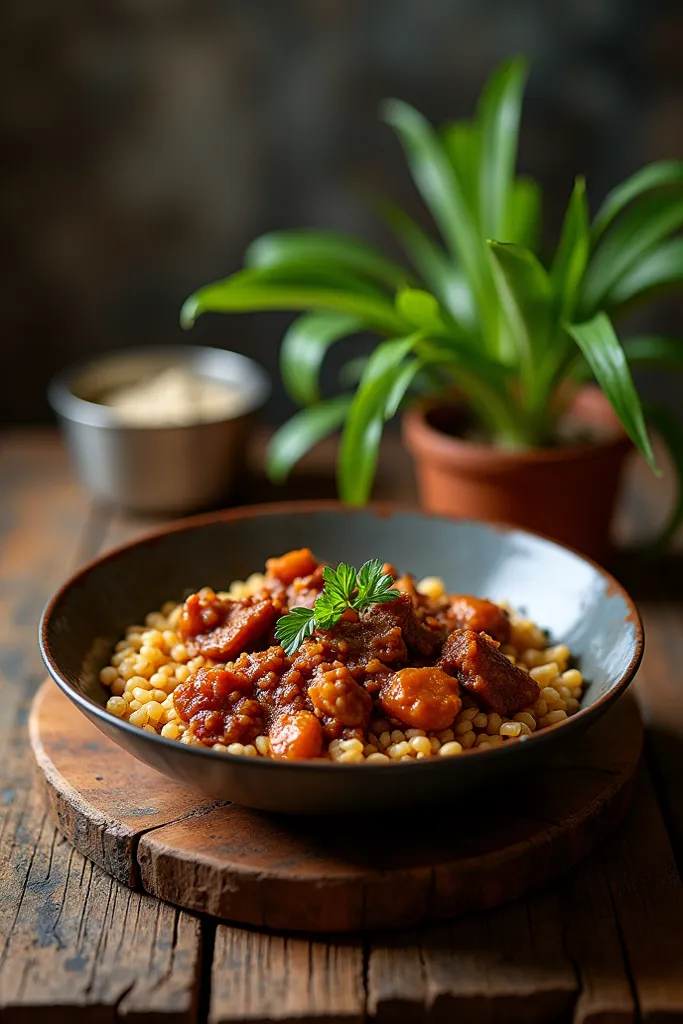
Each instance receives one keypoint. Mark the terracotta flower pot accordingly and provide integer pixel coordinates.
(567, 493)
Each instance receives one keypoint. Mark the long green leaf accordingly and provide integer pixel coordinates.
(571, 256)
(646, 350)
(443, 194)
(302, 432)
(498, 116)
(660, 268)
(433, 265)
(462, 141)
(318, 274)
(387, 356)
(526, 298)
(376, 400)
(631, 239)
(303, 350)
(600, 345)
(670, 430)
(523, 216)
(657, 175)
(231, 296)
(310, 246)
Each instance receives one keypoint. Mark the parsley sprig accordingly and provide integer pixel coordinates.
(345, 587)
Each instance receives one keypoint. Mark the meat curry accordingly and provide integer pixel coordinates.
(413, 661)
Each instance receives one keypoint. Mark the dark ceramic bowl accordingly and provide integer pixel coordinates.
(579, 603)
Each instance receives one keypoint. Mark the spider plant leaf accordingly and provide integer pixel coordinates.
(303, 350)
(498, 116)
(526, 298)
(322, 275)
(661, 267)
(465, 357)
(311, 247)
(600, 345)
(235, 295)
(645, 350)
(462, 141)
(654, 176)
(376, 401)
(523, 215)
(420, 309)
(433, 265)
(670, 430)
(441, 190)
(302, 432)
(388, 356)
(632, 238)
(571, 255)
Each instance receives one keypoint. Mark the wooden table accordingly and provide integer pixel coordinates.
(605, 944)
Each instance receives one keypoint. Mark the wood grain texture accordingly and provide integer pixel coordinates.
(555, 956)
(603, 945)
(648, 896)
(73, 942)
(506, 965)
(259, 977)
(101, 798)
(312, 875)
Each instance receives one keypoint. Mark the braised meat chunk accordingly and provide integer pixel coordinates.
(201, 613)
(217, 708)
(243, 624)
(485, 673)
(358, 642)
(421, 639)
(467, 612)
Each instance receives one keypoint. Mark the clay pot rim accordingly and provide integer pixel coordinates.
(422, 438)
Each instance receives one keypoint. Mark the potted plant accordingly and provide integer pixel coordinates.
(498, 338)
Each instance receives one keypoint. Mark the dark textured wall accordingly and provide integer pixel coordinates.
(145, 143)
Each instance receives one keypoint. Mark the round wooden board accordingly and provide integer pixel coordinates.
(326, 875)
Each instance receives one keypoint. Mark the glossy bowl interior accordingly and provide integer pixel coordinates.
(579, 603)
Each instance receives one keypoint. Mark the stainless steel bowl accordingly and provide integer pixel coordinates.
(156, 469)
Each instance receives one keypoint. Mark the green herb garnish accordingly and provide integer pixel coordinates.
(345, 587)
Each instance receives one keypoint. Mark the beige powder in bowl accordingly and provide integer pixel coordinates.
(175, 397)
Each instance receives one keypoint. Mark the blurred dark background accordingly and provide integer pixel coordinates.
(145, 142)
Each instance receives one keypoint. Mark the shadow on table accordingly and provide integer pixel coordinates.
(648, 577)
(664, 752)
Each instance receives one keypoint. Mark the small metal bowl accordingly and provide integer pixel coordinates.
(149, 469)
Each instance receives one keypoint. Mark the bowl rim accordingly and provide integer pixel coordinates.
(70, 406)
(381, 509)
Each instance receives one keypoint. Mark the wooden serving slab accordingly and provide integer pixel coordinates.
(330, 875)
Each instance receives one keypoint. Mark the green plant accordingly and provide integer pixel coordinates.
(481, 308)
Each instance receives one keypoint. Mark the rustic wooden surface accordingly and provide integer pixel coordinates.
(309, 875)
(604, 944)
